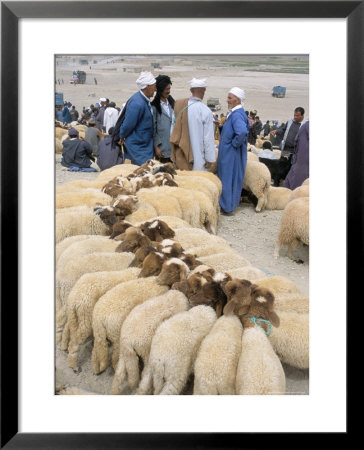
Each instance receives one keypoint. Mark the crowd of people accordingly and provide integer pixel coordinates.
(152, 124)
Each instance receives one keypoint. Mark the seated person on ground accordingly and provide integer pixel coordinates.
(77, 153)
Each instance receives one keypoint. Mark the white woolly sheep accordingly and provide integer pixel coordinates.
(164, 204)
(85, 246)
(67, 276)
(193, 237)
(63, 245)
(247, 273)
(306, 182)
(144, 211)
(291, 340)
(277, 152)
(300, 191)
(81, 220)
(259, 370)
(174, 349)
(292, 303)
(58, 146)
(257, 180)
(137, 333)
(294, 225)
(110, 312)
(204, 174)
(277, 198)
(218, 357)
(81, 301)
(252, 156)
(206, 251)
(223, 262)
(279, 286)
(200, 184)
(122, 170)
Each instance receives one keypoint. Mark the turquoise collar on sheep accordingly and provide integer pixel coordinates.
(256, 319)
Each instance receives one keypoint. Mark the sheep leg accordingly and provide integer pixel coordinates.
(132, 364)
(173, 387)
(78, 336)
(61, 319)
(115, 353)
(260, 204)
(146, 383)
(119, 377)
(158, 380)
(65, 337)
(100, 352)
(276, 250)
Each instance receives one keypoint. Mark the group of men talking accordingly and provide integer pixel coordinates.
(182, 132)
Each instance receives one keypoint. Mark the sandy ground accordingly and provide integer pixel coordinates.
(252, 234)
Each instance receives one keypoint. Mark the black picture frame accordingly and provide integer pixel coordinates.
(11, 12)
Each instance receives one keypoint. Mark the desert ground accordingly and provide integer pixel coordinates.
(252, 234)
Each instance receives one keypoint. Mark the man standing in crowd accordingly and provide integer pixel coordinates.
(163, 116)
(258, 125)
(192, 139)
(74, 113)
(289, 133)
(100, 115)
(231, 162)
(77, 153)
(300, 168)
(136, 131)
(93, 136)
(111, 115)
(66, 114)
(266, 128)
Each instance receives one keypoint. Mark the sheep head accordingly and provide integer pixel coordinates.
(157, 230)
(152, 265)
(132, 238)
(173, 270)
(140, 255)
(261, 306)
(125, 205)
(119, 228)
(191, 261)
(173, 249)
(238, 293)
(107, 215)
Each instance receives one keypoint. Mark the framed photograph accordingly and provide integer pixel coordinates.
(32, 33)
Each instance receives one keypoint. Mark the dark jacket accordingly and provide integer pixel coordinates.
(66, 115)
(100, 118)
(76, 153)
(108, 155)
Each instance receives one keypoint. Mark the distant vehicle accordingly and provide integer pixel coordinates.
(78, 77)
(59, 99)
(214, 104)
(279, 91)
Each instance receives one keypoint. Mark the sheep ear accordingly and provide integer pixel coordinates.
(229, 308)
(219, 309)
(273, 317)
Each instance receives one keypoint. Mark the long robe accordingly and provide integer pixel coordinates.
(299, 170)
(137, 129)
(201, 129)
(231, 162)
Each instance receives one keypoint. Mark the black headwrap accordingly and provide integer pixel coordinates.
(162, 81)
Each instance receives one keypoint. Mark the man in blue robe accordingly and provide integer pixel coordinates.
(232, 157)
(136, 132)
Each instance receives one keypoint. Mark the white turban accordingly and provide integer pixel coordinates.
(145, 79)
(102, 99)
(198, 83)
(238, 93)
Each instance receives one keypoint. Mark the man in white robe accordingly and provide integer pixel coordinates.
(201, 127)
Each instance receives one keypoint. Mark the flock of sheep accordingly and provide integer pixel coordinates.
(139, 267)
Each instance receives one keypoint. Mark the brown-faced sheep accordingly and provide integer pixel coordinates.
(174, 349)
(157, 230)
(294, 225)
(259, 372)
(132, 239)
(218, 357)
(137, 333)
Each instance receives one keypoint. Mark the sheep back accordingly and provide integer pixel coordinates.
(218, 357)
